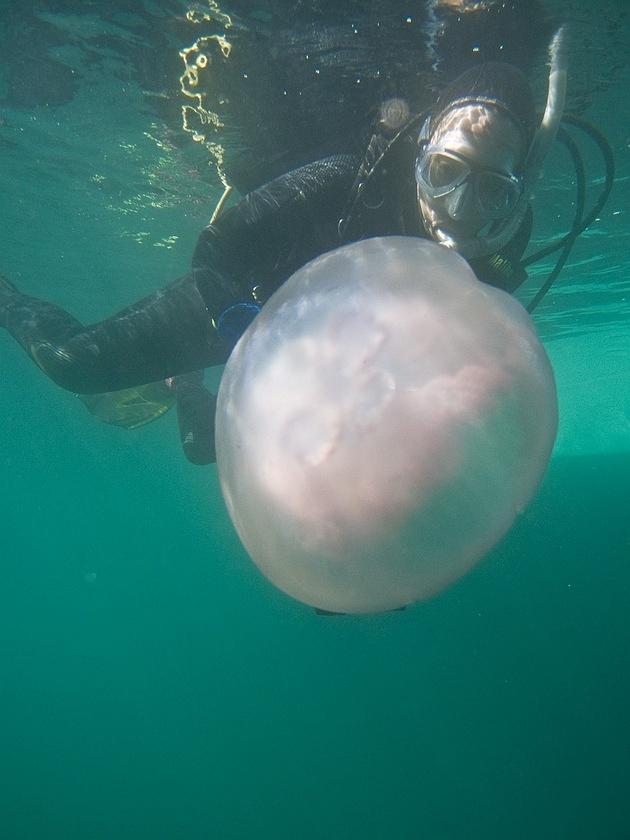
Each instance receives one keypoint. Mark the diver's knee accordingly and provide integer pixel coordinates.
(63, 367)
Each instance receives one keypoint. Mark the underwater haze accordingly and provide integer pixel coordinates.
(152, 683)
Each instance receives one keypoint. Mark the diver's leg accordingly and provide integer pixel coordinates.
(196, 407)
(166, 334)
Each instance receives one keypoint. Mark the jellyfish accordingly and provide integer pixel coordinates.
(381, 424)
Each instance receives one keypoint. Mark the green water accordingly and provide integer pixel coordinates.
(153, 685)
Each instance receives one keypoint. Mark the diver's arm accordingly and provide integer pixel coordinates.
(272, 231)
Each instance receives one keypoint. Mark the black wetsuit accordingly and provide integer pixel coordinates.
(238, 263)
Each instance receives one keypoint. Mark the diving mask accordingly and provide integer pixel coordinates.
(443, 173)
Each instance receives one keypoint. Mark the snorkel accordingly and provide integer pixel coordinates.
(496, 234)
(554, 109)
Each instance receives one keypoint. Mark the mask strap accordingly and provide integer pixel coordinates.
(425, 131)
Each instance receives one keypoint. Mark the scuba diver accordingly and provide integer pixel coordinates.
(461, 174)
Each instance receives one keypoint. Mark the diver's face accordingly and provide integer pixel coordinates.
(467, 173)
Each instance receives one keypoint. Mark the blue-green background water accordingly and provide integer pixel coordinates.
(152, 684)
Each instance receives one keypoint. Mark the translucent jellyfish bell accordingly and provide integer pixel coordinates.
(380, 425)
